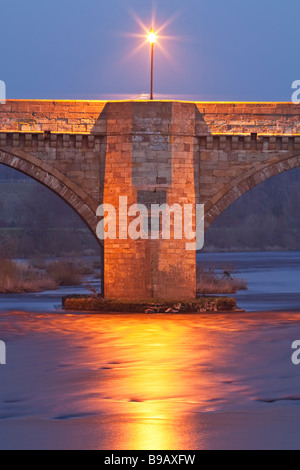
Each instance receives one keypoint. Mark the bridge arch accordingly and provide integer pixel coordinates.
(246, 181)
(54, 180)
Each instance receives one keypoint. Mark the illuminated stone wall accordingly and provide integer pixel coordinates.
(92, 152)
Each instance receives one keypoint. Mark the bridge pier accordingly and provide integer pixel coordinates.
(150, 158)
(93, 152)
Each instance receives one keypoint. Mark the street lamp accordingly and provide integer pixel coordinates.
(152, 39)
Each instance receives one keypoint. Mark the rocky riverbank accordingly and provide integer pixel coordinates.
(100, 305)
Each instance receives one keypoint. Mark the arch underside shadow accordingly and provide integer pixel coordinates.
(54, 180)
(246, 181)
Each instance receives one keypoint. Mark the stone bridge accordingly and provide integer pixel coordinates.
(92, 152)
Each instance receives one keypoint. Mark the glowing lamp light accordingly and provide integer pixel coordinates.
(152, 36)
(152, 40)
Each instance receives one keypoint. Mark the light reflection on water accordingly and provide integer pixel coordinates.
(142, 382)
(156, 382)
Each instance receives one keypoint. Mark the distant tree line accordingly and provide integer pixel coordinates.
(265, 218)
(34, 221)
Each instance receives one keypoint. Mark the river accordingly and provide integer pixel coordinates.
(213, 381)
(273, 278)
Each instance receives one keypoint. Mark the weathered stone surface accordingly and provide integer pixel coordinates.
(152, 152)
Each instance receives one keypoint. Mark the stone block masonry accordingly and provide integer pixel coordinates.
(92, 152)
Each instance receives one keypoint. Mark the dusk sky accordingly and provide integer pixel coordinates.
(224, 50)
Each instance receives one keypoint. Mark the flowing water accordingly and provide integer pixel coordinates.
(273, 278)
(213, 381)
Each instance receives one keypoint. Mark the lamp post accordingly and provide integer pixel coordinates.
(152, 39)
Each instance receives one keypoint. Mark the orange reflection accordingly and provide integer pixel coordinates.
(132, 381)
(148, 384)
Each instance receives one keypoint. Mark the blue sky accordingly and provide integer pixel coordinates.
(225, 50)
